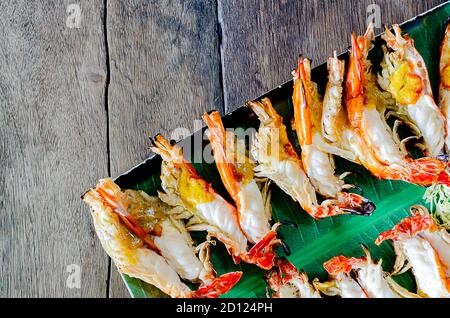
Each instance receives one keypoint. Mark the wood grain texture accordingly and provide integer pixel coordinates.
(165, 72)
(166, 62)
(262, 38)
(52, 148)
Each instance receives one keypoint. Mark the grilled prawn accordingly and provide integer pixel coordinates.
(444, 85)
(404, 75)
(426, 247)
(370, 277)
(147, 243)
(206, 210)
(318, 163)
(366, 105)
(345, 140)
(236, 171)
(285, 281)
(278, 161)
(342, 139)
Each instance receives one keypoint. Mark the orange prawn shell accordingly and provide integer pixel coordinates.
(445, 56)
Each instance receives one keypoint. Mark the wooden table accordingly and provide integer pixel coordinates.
(79, 100)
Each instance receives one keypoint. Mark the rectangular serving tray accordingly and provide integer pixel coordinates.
(314, 241)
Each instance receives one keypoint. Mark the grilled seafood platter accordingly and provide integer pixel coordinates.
(324, 159)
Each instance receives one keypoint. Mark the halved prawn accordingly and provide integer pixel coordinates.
(426, 247)
(278, 161)
(236, 172)
(317, 162)
(371, 278)
(366, 105)
(342, 139)
(145, 242)
(404, 75)
(204, 207)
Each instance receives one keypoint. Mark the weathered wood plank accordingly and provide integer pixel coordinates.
(262, 38)
(165, 72)
(52, 147)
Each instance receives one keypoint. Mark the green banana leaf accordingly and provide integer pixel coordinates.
(313, 242)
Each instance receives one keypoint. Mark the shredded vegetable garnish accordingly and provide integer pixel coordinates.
(438, 196)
